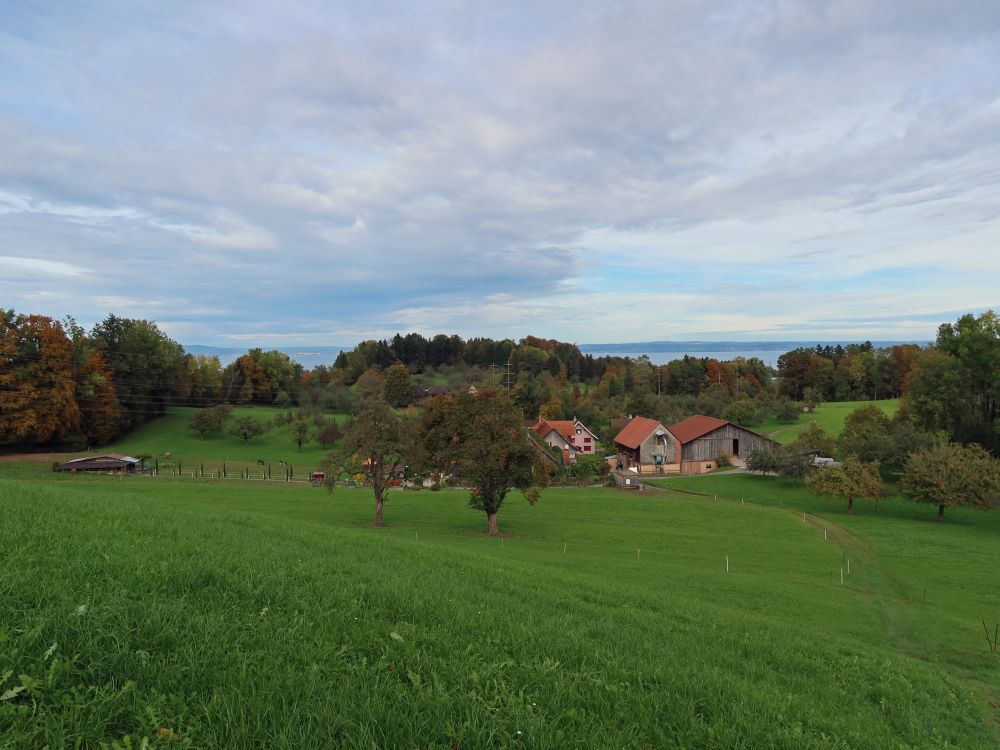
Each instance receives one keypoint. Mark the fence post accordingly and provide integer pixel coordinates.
(224, 470)
(269, 471)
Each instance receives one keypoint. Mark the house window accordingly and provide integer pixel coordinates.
(586, 440)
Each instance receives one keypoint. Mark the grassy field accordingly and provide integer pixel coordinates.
(828, 416)
(172, 434)
(244, 615)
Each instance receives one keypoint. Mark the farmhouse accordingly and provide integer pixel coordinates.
(646, 446)
(108, 462)
(571, 436)
(701, 440)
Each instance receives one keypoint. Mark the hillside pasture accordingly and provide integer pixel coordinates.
(171, 434)
(241, 615)
(829, 416)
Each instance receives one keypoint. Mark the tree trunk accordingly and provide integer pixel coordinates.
(491, 519)
(940, 512)
(850, 505)
(379, 520)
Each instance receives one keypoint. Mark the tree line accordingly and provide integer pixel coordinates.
(61, 385)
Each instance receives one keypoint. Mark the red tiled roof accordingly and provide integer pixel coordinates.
(636, 431)
(694, 427)
(564, 427)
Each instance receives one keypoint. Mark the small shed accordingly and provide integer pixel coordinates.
(108, 463)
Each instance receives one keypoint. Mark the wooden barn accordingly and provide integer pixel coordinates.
(646, 446)
(701, 440)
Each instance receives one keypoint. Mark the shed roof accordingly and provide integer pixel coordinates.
(637, 430)
(694, 427)
(106, 456)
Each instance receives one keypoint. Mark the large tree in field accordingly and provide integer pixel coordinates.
(953, 475)
(853, 480)
(372, 445)
(246, 428)
(481, 434)
(211, 419)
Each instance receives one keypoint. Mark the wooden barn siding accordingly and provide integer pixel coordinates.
(652, 445)
(708, 447)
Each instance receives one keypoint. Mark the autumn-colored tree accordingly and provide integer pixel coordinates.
(98, 401)
(481, 434)
(37, 385)
(953, 475)
(852, 480)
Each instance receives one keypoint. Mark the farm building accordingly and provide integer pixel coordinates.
(646, 446)
(109, 462)
(571, 436)
(701, 440)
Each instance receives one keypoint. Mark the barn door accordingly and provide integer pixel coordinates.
(736, 447)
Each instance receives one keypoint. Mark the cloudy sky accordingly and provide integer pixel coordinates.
(266, 173)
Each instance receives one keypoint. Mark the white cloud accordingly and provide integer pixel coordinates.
(581, 170)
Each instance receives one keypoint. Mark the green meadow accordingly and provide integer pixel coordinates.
(244, 615)
(828, 416)
(171, 434)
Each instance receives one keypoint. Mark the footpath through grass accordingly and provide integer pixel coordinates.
(241, 615)
(829, 416)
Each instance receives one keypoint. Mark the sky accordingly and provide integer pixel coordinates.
(266, 174)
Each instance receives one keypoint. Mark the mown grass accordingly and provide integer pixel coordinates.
(172, 434)
(243, 615)
(828, 416)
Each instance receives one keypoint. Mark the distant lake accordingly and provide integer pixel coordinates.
(767, 356)
(309, 360)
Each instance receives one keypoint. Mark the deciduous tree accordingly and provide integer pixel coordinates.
(398, 387)
(372, 445)
(300, 432)
(953, 475)
(482, 435)
(211, 419)
(853, 480)
(246, 428)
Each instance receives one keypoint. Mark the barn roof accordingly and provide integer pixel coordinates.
(106, 456)
(637, 430)
(694, 427)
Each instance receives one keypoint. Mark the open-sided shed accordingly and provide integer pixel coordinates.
(108, 462)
